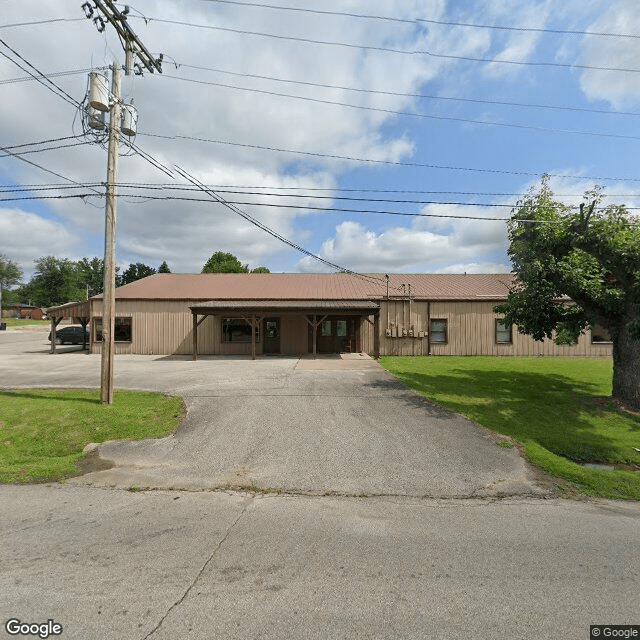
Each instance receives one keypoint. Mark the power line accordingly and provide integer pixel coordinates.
(35, 22)
(61, 93)
(431, 54)
(407, 95)
(413, 114)
(426, 20)
(54, 148)
(396, 163)
(213, 195)
(52, 74)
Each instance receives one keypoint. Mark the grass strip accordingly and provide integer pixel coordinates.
(43, 432)
(557, 408)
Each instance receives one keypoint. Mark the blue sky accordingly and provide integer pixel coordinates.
(458, 143)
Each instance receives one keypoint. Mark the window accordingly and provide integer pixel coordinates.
(599, 334)
(503, 332)
(439, 331)
(237, 330)
(122, 331)
(341, 328)
(325, 328)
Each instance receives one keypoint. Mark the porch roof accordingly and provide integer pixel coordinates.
(217, 307)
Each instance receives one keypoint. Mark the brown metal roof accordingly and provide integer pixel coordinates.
(318, 286)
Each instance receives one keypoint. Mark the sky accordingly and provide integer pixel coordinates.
(388, 136)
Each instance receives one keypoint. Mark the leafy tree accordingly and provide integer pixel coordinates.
(260, 270)
(55, 281)
(590, 256)
(91, 275)
(135, 272)
(221, 262)
(164, 268)
(10, 274)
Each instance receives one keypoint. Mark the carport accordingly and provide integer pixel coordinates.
(315, 312)
(79, 312)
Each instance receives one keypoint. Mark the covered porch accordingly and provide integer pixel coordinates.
(332, 325)
(79, 312)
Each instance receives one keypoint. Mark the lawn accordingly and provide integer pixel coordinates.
(43, 432)
(21, 322)
(556, 408)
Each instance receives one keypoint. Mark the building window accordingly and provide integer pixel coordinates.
(439, 331)
(325, 328)
(341, 328)
(122, 331)
(237, 330)
(503, 332)
(599, 334)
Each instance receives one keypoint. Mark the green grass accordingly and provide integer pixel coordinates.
(43, 432)
(556, 408)
(21, 322)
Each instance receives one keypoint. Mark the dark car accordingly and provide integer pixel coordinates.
(72, 335)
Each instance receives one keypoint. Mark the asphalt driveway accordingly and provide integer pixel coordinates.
(329, 426)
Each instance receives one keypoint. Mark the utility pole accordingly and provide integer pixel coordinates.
(109, 288)
(106, 11)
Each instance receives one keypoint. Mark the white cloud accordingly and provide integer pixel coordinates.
(620, 89)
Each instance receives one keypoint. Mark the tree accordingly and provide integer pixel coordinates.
(164, 267)
(135, 272)
(10, 274)
(91, 275)
(55, 281)
(221, 262)
(591, 258)
(260, 270)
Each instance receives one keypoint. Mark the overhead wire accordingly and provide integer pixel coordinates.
(426, 20)
(216, 197)
(413, 114)
(397, 163)
(401, 94)
(364, 47)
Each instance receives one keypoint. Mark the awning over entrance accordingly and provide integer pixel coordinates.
(314, 312)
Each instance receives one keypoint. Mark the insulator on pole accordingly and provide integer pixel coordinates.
(98, 91)
(129, 120)
(95, 119)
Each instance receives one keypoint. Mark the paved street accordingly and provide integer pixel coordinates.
(456, 537)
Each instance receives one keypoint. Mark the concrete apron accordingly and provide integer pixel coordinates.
(330, 426)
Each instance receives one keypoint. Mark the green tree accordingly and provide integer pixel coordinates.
(91, 275)
(10, 274)
(55, 281)
(221, 262)
(591, 257)
(260, 270)
(164, 267)
(134, 272)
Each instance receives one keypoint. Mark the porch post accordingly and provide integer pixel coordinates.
(253, 337)
(376, 335)
(195, 335)
(53, 335)
(315, 337)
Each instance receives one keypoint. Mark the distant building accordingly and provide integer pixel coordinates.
(298, 314)
(23, 311)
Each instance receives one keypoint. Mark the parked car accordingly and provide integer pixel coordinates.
(73, 335)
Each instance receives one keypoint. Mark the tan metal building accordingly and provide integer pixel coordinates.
(299, 314)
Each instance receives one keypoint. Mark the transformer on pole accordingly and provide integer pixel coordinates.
(123, 118)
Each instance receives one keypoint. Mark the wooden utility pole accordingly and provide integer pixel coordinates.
(109, 296)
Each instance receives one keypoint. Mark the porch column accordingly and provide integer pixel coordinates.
(315, 337)
(54, 325)
(376, 335)
(195, 335)
(253, 337)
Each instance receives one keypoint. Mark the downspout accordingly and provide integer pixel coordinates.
(428, 328)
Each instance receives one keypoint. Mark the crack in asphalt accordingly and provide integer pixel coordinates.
(180, 600)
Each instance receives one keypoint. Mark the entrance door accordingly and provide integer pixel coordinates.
(272, 335)
(336, 335)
